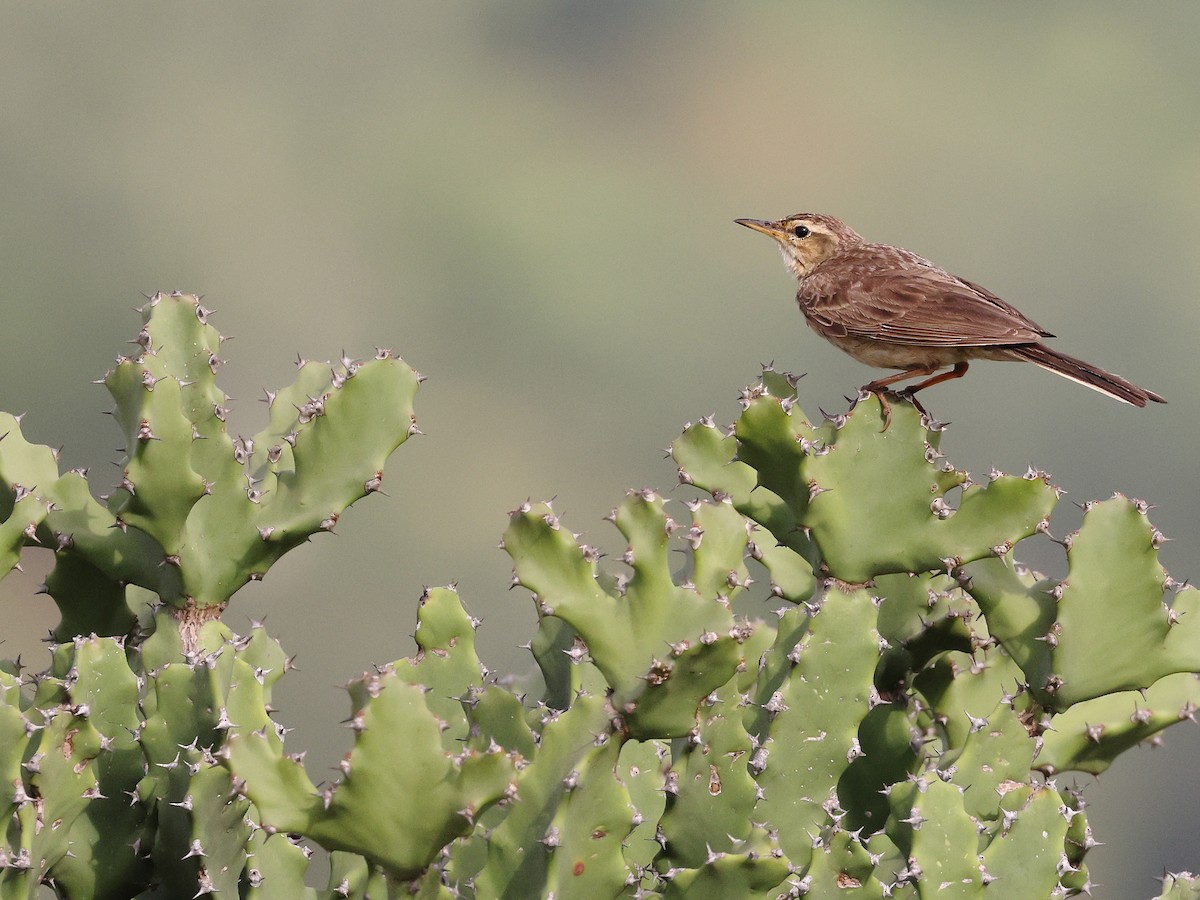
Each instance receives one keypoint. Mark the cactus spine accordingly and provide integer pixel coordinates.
(894, 728)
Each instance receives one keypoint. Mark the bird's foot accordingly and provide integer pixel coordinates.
(881, 393)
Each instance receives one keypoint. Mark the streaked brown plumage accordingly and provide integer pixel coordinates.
(889, 308)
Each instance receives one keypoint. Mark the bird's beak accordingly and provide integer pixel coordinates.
(771, 229)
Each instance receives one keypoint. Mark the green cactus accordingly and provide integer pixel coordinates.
(275, 867)
(1184, 886)
(662, 647)
(521, 847)
(859, 504)
(711, 763)
(117, 741)
(198, 514)
(399, 817)
(103, 839)
(813, 717)
(890, 732)
(759, 870)
(57, 785)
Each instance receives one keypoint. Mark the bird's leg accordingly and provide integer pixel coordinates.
(879, 388)
(959, 370)
(879, 384)
(912, 398)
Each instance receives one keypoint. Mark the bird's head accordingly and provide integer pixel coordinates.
(806, 239)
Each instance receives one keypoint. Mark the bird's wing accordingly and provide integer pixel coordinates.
(893, 296)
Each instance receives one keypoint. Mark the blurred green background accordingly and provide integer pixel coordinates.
(532, 203)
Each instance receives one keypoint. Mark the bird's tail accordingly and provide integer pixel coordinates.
(1085, 373)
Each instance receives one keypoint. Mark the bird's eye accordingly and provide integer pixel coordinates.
(801, 231)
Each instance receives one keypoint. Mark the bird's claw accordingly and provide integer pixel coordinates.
(881, 393)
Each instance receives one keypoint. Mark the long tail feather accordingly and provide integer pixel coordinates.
(1086, 374)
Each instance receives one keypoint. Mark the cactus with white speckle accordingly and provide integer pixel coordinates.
(111, 755)
(1183, 886)
(197, 513)
(981, 677)
(893, 729)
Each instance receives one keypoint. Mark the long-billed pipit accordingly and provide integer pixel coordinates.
(889, 308)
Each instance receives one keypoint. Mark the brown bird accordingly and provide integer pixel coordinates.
(889, 308)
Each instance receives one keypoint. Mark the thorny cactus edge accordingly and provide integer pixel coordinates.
(198, 513)
(897, 728)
